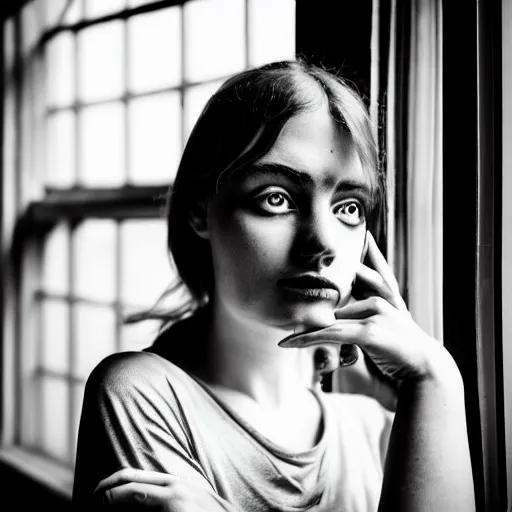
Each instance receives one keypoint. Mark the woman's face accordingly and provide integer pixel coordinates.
(295, 216)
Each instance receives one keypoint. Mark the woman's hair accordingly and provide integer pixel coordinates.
(239, 125)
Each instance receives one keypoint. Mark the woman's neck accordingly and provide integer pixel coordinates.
(245, 357)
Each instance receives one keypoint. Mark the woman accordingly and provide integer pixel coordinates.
(268, 225)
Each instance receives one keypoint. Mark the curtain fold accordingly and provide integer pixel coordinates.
(412, 133)
(424, 168)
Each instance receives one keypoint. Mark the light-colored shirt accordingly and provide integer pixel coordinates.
(142, 411)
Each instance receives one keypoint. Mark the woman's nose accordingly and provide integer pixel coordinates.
(316, 241)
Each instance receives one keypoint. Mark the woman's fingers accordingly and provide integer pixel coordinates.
(176, 495)
(370, 282)
(380, 264)
(133, 492)
(341, 332)
(378, 280)
(133, 475)
(349, 327)
(365, 308)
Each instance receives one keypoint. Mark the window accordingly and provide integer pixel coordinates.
(100, 97)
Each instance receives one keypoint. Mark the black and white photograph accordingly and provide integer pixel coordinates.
(256, 255)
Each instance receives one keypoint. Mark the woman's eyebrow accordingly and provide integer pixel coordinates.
(352, 185)
(301, 177)
(304, 178)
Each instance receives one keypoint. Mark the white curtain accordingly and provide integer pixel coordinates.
(424, 168)
(413, 138)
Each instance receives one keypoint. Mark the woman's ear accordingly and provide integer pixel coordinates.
(197, 217)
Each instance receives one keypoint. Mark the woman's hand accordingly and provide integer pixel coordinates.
(397, 349)
(158, 491)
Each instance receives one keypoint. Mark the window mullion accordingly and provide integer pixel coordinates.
(71, 251)
(72, 344)
(183, 74)
(247, 28)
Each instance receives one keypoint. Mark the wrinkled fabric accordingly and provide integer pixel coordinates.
(142, 411)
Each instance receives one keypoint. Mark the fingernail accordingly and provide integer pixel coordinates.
(290, 342)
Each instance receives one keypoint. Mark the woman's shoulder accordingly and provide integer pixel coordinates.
(130, 369)
(133, 364)
(167, 364)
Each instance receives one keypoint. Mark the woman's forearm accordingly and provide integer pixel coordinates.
(428, 466)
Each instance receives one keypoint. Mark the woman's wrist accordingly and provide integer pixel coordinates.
(440, 370)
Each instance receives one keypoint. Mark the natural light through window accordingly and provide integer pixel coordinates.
(111, 92)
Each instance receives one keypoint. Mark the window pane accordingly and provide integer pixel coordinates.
(139, 335)
(155, 138)
(53, 11)
(95, 337)
(55, 274)
(271, 31)
(98, 8)
(55, 332)
(55, 416)
(102, 145)
(195, 99)
(101, 61)
(27, 135)
(155, 49)
(31, 27)
(60, 63)
(60, 149)
(74, 12)
(214, 38)
(145, 268)
(57, 10)
(95, 260)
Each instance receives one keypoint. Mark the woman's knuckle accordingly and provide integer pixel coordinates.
(376, 303)
(371, 332)
(126, 474)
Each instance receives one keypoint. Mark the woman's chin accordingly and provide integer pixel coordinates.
(317, 316)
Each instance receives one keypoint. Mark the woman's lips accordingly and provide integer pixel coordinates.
(310, 287)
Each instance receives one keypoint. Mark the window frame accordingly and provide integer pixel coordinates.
(27, 219)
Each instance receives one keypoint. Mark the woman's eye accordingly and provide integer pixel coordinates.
(275, 202)
(350, 213)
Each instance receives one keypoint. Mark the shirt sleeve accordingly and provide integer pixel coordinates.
(131, 417)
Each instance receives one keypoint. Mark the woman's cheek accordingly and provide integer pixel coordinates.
(258, 244)
(269, 239)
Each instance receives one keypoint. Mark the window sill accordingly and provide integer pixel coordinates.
(40, 469)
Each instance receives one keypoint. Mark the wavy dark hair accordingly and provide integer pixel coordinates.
(238, 125)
